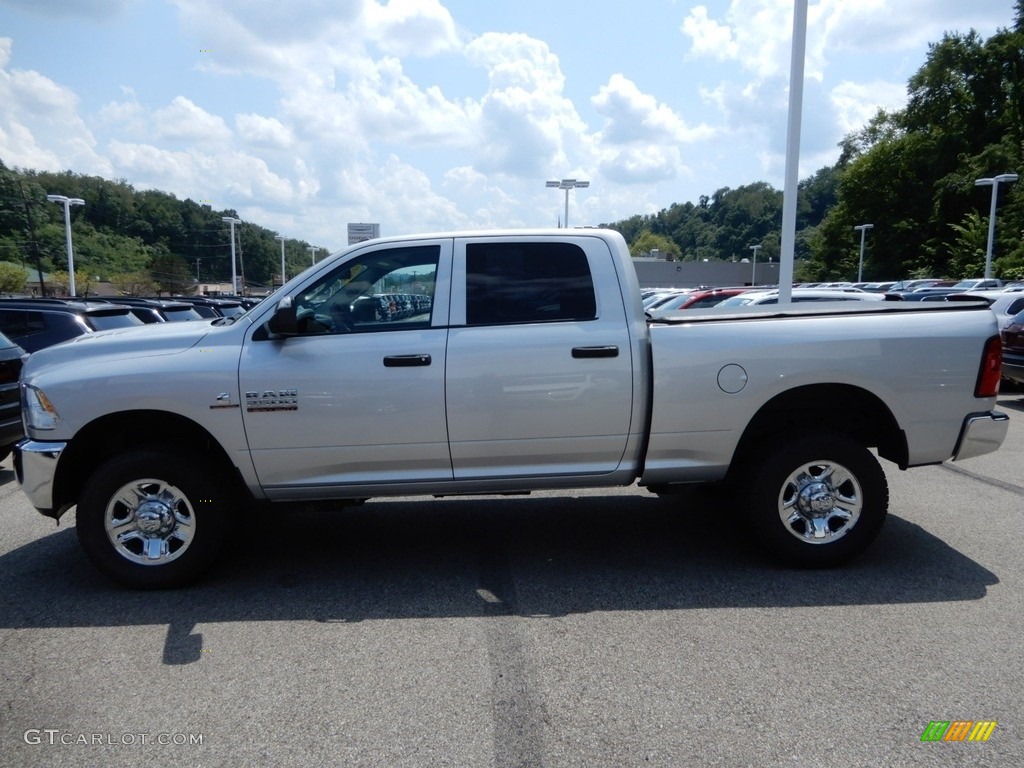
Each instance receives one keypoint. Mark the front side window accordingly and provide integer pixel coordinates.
(379, 291)
(527, 283)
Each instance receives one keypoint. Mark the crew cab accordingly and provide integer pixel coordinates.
(526, 363)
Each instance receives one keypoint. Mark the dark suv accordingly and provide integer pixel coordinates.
(38, 323)
(11, 358)
(156, 310)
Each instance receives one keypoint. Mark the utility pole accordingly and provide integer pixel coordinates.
(33, 241)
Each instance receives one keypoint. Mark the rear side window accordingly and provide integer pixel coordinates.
(527, 283)
(102, 321)
(19, 323)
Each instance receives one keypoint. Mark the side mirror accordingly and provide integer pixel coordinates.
(284, 322)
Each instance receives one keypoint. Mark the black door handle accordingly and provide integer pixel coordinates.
(405, 361)
(610, 351)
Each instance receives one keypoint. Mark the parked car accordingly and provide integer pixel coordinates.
(978, 284)
(799, 295)
(1013, 350)
(922, 294)
(38, 323)
(699, 299)
(208, 306)
(12, 357)
(1004, 304)
(157, 310)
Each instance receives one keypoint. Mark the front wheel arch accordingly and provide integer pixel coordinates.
(117, 433)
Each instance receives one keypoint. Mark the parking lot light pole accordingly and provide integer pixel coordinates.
(753, 265)
(68, 202)
(282, 238)
(312, 253)
(994, 183)
(863, 230)
(567, 184)
(234, 279)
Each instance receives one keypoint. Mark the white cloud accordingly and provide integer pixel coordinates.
(263, 131)
(93, 9)
(708, 37)
(182, 120)
(40, 127)
(194, 174)
(633, 116)
(857, 103)
(526, 124)
(638, 164)
(411, 27)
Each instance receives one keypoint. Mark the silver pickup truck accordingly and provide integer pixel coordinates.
(496, 362)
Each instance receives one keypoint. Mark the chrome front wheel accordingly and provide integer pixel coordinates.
(150, 522)
(154, 519)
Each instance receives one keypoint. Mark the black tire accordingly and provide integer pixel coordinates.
(815, 501)
(175, 529)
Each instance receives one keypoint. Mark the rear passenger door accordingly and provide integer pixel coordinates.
(539, 376)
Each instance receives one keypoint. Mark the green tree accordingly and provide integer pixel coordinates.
(170, 274)
(133, 283)
(647, 241)
(59, 283)
(12, 279)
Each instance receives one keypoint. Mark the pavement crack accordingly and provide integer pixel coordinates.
(517, 711)
(1017, 489)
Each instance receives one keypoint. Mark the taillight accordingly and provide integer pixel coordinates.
(991, 369)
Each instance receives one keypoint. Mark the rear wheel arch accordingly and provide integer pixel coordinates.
(826, 408)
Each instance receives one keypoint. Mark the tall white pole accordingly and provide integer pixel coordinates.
(994, 183)
(863, 229)
(68, 202)
(234, 277)
(284, 277)
(789, 195)
(753, 267)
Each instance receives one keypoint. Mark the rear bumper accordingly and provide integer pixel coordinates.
(35, 464)
(982, 433)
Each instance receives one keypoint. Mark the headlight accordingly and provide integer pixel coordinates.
(37, 409)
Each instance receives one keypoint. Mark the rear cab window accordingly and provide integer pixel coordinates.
(528, 283)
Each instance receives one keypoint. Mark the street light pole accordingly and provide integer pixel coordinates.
(282, 238)
(68, 202)
(234, 279)
(994, 183)
(863, 230)
(312, 253)
(753, 268)
(567, 184)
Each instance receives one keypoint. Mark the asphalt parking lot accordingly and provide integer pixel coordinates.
(603, 628)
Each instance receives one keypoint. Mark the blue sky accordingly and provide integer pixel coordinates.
(429, 115)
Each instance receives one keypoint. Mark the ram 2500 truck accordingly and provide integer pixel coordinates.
(496, 362)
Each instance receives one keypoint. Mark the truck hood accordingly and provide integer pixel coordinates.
(134, 342)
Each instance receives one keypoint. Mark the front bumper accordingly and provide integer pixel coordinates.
(35, 464)
(982, 433)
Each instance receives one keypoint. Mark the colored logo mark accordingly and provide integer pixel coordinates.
(958, 730)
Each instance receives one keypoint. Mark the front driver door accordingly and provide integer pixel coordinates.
(358, 397)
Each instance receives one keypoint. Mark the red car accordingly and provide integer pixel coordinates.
(699, 299)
